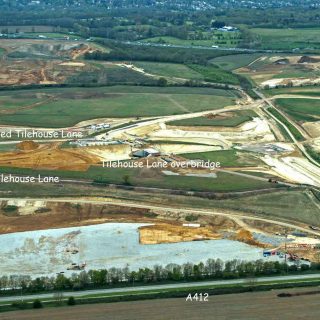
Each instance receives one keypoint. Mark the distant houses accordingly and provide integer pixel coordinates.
(228, 29)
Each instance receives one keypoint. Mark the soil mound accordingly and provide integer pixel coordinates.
(282, 61)
(307, 59)
(27, 145)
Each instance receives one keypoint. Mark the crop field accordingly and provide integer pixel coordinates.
(301, 109)
(233, 119)
(169, 70)
(288, 39)
(244, 305)
(70, 106)
(218, 38)
(236, 61)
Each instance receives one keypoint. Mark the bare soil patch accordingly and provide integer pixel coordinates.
(170, 233)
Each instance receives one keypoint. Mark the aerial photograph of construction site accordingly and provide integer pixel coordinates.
(159, 159)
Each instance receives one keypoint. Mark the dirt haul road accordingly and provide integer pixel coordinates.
(49, 156)
(298, 144)
(156, 121)
(172, 209)
(294, 96)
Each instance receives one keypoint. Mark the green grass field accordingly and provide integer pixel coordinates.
(8, 102)
(71, 106)
(227, 158)
(296, 133)
(169, 70)
(296, 72)
(236, 61)
(305, 91)
(235, 119)
(218, 38)
(288, 39)
(301, 109)
(285, 204)
(212, 73)
(224, 182)
(294, 205)
(7, 147)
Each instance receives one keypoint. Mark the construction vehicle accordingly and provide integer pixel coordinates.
(75, 266)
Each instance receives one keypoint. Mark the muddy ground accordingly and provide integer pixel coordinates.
(38, 215)
(27, 62)
(50, 156)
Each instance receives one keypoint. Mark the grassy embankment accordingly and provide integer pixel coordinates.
(301, 109)
(73, 105)
(234, 119)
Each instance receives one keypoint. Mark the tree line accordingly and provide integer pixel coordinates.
(130, 52)
(210, 270)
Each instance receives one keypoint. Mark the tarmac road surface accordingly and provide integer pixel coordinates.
(242, 306)
(161, 286)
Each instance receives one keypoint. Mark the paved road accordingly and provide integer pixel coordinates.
(162, 286)
(153, 44)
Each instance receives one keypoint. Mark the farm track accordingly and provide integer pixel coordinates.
(80, 52)
(29, 107)
(176, 103)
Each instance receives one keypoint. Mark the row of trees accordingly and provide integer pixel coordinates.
(211, 269)
(130, 52)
